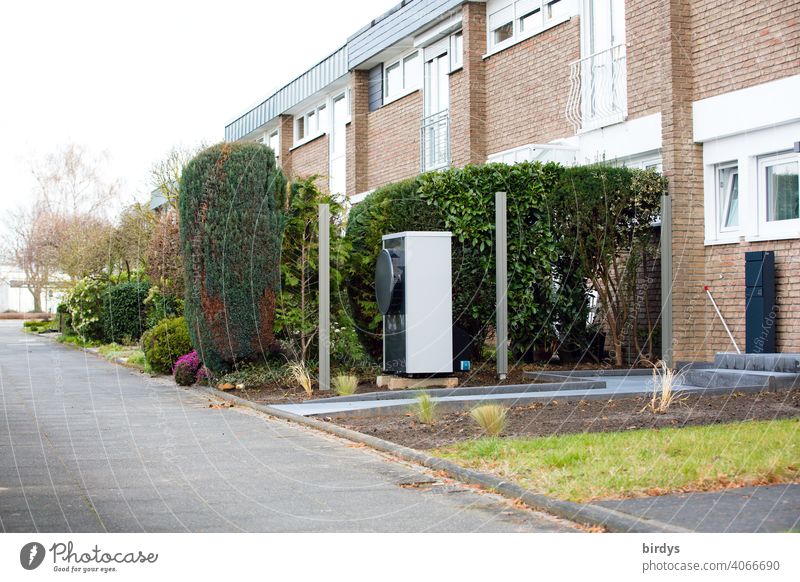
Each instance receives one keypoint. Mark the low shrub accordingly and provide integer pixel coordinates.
(165, 343)
(425, 408)
(490, 417)
(345, 385)
(84, 302)
(186, 369)
(300, 374)
(123, 315)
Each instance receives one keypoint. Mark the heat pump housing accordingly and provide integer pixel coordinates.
(413, 287)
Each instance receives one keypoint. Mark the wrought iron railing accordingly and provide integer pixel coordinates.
(598, 89)
(434, 148)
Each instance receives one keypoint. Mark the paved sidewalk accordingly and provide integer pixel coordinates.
(87, 446)
(771, 508)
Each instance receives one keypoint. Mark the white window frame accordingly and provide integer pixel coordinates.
(456, 56)
(521, 8)
(408, 87)
(320, 114)
(723, 199)
(774, 228)
(266, 138)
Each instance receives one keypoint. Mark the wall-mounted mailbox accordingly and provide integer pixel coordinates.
(760, 314)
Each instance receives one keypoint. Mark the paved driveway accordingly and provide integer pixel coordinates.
(88, 446)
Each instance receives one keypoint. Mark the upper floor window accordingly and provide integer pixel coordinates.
(402, 76)
(311, 124)
(456, 51)
(513, 20)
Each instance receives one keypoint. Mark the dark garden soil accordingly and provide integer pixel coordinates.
(563, 417)
(287, 392)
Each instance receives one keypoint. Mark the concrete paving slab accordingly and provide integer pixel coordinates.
(124, 452)
(773, 508)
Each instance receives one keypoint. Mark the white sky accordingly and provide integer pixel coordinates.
(137, 78)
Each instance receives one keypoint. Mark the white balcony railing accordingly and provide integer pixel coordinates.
(598, 89)
(434, 143)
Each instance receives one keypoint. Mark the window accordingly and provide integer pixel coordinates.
(501, 25)
(402, 76)
(728, 196)
(312, 124)
(532, 19)
(781, 187)
(456, 51)
(272, 140)
(512, 21)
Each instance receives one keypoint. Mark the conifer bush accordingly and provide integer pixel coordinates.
(231, 208)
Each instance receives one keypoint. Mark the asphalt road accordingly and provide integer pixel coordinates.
(89, 446)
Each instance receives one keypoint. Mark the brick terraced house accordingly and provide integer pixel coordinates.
(708, 92)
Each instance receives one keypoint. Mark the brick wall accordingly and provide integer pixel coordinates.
(468, 92)
(393, 141)
(356, 133)
(737, 48)
(725, 276)
(644, 56)
(527, 86)
(312, 158)
(683, 166)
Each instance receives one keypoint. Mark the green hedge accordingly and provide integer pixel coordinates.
(231, 205)
(124, 311)
(550, 266)
(165, 343)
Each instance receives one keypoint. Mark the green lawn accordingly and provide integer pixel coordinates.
(582, 467)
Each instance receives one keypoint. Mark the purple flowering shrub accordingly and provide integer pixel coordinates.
(187, 368)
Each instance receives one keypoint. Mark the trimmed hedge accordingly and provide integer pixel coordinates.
(550, 263)
(124, 311)
(165, 343)
(231, 205)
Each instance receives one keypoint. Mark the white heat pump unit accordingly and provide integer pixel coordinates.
(414, 291)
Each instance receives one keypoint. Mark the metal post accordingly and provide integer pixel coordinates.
(501, 272)
(324, 297)
(666, 280)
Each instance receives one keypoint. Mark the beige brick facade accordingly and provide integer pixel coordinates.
(311, 159)
(527, 86)
(393, 141)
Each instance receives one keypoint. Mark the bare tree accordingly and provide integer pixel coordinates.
(32, 246)
(165, 175)
(70, 183)
(131, 238)
(83, 244)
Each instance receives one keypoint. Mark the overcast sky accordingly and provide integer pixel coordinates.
(137, 78)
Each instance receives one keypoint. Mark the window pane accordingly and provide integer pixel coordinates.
(501, 23)
(322, 119)
(457, 51)
(530, 21)
(301, 128)
(502, 33)
(274, 144)
(783, 192)
(557, 9)
(394, 79)
(732, 217)
(412, 71)
(311, 123)
(728, 189)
